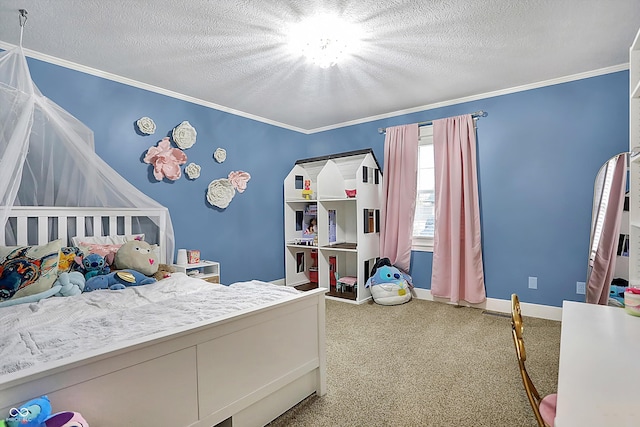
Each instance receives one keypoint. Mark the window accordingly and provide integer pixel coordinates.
(424, 219)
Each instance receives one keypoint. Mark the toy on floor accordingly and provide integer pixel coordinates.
(66, 419)
(31, 414)
(117, 280)
(389, 285)
(616, 293)
(37, 413)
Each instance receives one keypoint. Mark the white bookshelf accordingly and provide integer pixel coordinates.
(352, 244)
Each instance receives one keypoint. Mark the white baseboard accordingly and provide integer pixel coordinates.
(491, 304)
(499, 305)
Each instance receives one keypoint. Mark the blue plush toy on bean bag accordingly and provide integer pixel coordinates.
(389, 285)
(117, 280)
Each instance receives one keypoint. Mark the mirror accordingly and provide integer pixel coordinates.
(608, 268)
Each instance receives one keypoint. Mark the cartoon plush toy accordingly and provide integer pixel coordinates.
(31, 414)
(164, 271)
(66, 419)
(117, 280)
(94, 265)
(389, 285)
(137, 255)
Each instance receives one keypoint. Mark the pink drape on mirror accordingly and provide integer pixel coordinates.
(604, 261)
(399, 188)
(457, 271)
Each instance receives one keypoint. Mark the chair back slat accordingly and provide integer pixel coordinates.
(517, 329)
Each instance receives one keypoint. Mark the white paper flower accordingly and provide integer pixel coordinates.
(184, 135)
(220, 192)
(192, 170)
(146, 125)
(239, 180)
(220, 155)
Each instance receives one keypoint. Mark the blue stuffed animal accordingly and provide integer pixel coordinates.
(389, 285)
(117, 280)
(94, 265)
(31, 414)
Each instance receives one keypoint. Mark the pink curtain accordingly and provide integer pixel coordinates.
(604, 261)
(399, 188)
(457, 271)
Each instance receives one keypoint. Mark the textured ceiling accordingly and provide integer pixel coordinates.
(233, 54)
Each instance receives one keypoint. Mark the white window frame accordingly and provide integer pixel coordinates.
(421, 243)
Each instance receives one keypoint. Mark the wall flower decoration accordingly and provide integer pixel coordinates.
(220, 155)
(192, 170)
(239, 180)
(220, 192)
(166, 160)
(184, 135)
(146, 125)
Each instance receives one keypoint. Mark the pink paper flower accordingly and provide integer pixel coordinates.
(166, 161)
(239, 180)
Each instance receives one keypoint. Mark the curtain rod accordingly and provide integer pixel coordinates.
(477, 114)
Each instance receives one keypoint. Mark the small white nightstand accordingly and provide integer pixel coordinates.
(207, 270)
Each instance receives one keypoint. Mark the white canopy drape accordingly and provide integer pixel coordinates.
(47, 156)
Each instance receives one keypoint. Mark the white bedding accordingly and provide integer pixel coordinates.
(59, 327)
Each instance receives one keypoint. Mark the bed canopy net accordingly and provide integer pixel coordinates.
(47, 157)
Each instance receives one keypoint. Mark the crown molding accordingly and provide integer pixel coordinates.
(140, 85)
(515, 89)
(134, 83)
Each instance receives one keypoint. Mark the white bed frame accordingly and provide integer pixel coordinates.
(244, 369)
(53, 223)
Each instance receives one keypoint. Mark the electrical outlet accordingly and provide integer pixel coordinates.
(533, 282)
(581, 288)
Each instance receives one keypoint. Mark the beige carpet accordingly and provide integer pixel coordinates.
(427, 364)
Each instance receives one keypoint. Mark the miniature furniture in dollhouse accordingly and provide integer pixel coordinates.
(344, 193)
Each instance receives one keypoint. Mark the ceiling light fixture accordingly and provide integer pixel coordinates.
(323, 39)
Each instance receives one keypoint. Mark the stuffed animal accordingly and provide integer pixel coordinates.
(31, 414)
(137, 255)
(389, 285)
(94, 265)
(117, 280)
(66, 419)
(164, 271)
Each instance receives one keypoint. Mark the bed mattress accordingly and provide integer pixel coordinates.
(61, 327)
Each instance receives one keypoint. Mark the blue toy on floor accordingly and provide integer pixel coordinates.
(388, 284)
(31, 414)
(37, 413)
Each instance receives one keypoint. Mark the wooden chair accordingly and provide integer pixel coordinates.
(544, 409)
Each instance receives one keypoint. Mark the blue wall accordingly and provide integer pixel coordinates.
(538, 154)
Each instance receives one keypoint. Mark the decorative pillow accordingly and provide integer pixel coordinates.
(107, 251)
(106, 240)
(28, 270)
